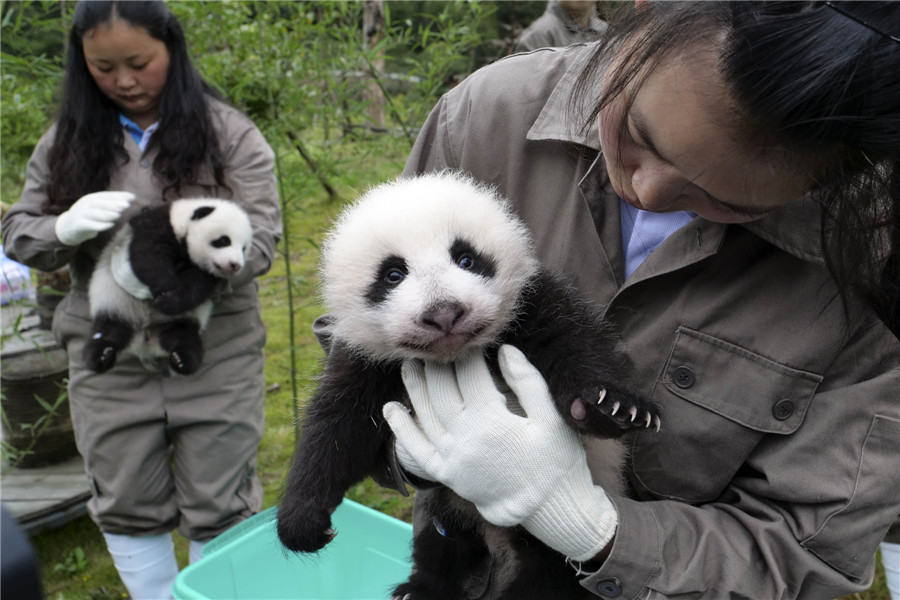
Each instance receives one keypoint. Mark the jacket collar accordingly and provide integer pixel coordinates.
(794, 228)
(561, 119)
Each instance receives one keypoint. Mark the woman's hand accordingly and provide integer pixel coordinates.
(90, 215)
(529, 471)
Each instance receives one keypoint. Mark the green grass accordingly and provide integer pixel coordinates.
(95, 578)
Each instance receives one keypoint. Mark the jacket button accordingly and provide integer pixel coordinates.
(783, 409)
(609, 588)
(684, 377)
(144, 163)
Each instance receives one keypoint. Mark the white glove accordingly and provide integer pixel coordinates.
(530, 471)
(90, 215)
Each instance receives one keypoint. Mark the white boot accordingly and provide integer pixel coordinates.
(146, 564)
(890, 558)
(196, 550)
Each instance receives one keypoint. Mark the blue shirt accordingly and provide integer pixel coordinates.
(643, 231)
(140, 137)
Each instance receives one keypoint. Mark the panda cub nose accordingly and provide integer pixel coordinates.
(445, 318)
(230, 268)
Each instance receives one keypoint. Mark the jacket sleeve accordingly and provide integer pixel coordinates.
(250, 174)
(432, 151)
(29, 236)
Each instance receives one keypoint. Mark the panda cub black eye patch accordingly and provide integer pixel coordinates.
(221, 242)
(468, 258)
(202, 212)
(390, 273)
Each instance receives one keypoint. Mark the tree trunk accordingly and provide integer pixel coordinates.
(373, 33)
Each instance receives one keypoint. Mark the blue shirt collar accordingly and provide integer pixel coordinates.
(140, 137)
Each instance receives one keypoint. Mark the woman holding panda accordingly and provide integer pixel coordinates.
(161, 451)
(724, 180)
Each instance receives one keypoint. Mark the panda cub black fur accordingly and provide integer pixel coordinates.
(156, 278)
(426, 268)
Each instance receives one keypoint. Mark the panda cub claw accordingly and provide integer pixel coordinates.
(106, 359)
(309, 532)
(184, 363)
(98, 356)
(626, 411)
(612, 413)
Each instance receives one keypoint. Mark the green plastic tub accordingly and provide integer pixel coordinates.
(368, 557)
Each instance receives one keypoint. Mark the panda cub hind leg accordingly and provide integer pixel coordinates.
(109, 336)
(181, 340)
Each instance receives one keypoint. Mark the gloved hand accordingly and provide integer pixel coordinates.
(530, 471)
(90, 215)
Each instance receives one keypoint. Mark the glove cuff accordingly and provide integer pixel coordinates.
(579, 523)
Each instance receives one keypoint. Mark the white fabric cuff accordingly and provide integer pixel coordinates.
(578, 523)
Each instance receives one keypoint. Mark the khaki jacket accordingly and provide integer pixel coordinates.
(29, 235)
(217, 414)
(777, 469)
(556, 28)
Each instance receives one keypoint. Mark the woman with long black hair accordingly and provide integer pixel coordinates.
(138, 126)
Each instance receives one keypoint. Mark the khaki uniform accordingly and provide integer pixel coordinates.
(126, 418)
(556, 28)
(777, 469)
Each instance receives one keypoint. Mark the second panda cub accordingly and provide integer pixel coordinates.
(428, 268)
(151, 290)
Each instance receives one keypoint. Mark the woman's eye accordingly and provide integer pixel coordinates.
(139, 67)
(465, 262)
(394, 276)
(633, 137)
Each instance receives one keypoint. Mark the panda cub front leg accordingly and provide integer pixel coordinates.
(109, 336)
(563, 335)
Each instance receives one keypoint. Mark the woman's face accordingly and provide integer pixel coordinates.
(678, 152)
(130, 68)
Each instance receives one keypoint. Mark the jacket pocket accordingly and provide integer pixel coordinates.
(718, 400)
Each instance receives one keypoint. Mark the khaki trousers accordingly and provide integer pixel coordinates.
(165, 451)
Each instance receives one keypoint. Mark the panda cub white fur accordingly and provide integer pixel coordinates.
(426, 268)
(156, 278)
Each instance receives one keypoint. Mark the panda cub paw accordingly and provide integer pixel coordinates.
(184, 362)
(304, 529)
(99, 355)
(101, 358)
(169, 303)
(628, 412)
(606, 412)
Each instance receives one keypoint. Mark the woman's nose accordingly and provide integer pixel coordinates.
(125, 81)
(652, 190)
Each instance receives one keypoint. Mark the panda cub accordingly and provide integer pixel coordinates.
(156, 278)
(426, 268)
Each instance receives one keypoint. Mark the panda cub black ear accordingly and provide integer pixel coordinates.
(203, 211)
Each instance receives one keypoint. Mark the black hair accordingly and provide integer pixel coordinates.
(88, 146)
(815, 84)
